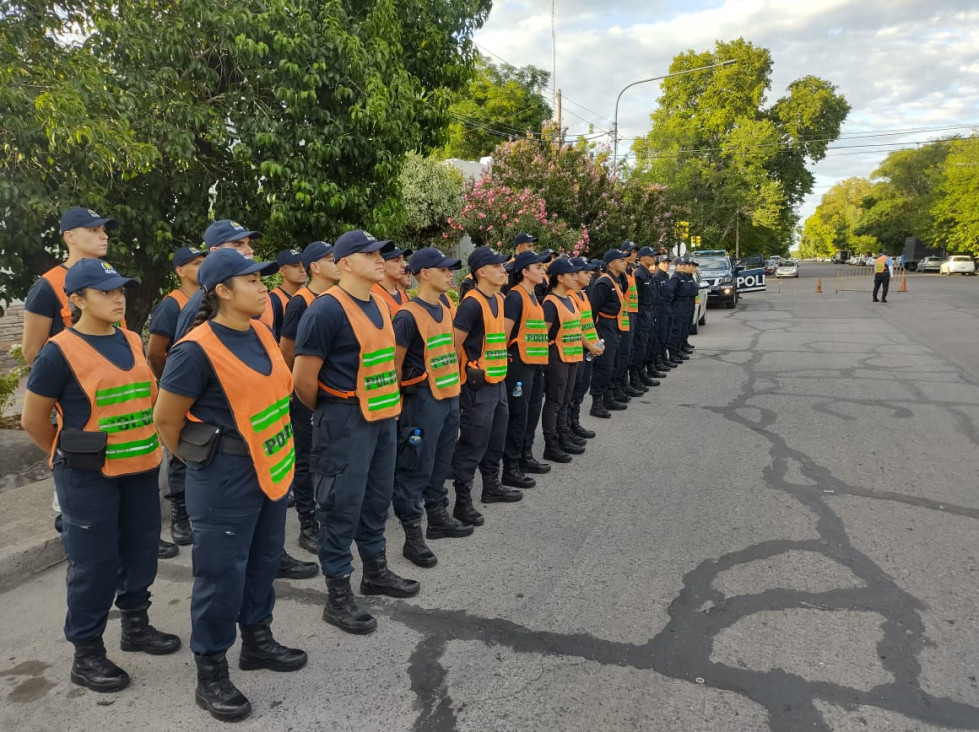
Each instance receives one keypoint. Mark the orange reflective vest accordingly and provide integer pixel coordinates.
(493, 358)
(306, 294)
(377, 380)
(588, 332)
(120, 403)
(622, 317)
(56, 278)
(531, 333)
(568, 337)
(441, 362)
(259, 405)
(268, 317)
(283, 296)
(393, 305)
(880, 265)
(179, 297)
(631, 293)
(447, 302)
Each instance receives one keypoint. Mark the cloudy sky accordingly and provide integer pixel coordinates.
(909, 68)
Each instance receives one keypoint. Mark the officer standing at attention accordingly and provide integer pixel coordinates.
(563, 320)
(621, 386)
(694, 286)
(224, 410)
(106, 456)
(480, 338)
(680, 310)
(428, 367)
(522, 242)
(345, 372)
(323, 274)
(883, 271)
(650, 262)
(607, 296)
(646, 319)
(163, 327)
(523, 319)
(292, 276)
(391, 288)
(589, 338)
(666, 292)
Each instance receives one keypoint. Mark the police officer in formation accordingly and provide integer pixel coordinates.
(370, 400)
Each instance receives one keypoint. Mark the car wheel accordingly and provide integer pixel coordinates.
(732, 304)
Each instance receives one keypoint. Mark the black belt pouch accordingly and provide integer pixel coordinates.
(83, 450)
(199, 442)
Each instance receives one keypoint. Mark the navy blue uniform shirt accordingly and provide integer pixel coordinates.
(469, 317)
(603, 298)
(52, 377)
(406, 335)
(644, 285)
(163, 319)
(188, 373)
(325, 332)
(294, 313)
(41, 300)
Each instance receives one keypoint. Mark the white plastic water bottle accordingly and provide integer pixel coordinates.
(589, 356)
(518, 389)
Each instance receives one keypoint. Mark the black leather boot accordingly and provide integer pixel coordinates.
(598, 408)
(619, 392)
(576, 427)
(309, 533)
(613, 404)
(464, 510)
(566, 443)
(166, 550)
(530, 464)
(216, 693)
(663, 365)
(180, 530)
(378, 579)
(342, 611)
(513, 476)
(494, 492)
(292, 568)
(653, 373)
(91, 669)
(635, 388)
(553, 451)
(644, 378)
(139, 635)
(443, 526)
(415, 549)
(260, 650)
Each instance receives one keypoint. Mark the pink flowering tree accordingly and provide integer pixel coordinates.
(493, 214)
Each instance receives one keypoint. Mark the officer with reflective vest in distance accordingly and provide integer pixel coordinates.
(391, 289)
(883, 271)
(621, 386)
(607, 295)
(589, 339)
(666, 292)
(224, 410)
(480, 338)
(645, 342)
(292, 276)
(226, 234)
(163, 329)
(523, 319)
(317, 259)
(345, 371)
(105, 455)
(428, 368)
(565, 353)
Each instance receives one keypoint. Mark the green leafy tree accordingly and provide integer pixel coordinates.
(956, 209)
(500, 101)
(431, 193)
(905, 191)
(832, 226)
(734, 167)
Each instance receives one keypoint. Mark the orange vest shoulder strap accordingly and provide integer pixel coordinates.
(55, 277)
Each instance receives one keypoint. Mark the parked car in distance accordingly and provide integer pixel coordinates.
(930, 264)
(787, 268)
(958, 264)
(770, 266)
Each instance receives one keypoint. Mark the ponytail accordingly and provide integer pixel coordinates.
(209, 308)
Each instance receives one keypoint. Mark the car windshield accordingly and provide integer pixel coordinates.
(713, 265)
(787, 264)
(961, 259)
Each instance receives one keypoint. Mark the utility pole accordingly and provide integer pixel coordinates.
(737, 234)
(557, 94)
(560, 129)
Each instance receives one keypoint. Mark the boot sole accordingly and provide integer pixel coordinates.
(500, 499)
(521, 486)
(387, 591)
(601, 415)
(182, 540)
(535, 470)
(305, 574)
(451, 534)
(223, 717)
(364, 629)
(82, 681)
(423, 563)
(135, 648)
(255, 665)
(470, 521)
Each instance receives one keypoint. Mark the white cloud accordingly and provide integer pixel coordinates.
(902, 64)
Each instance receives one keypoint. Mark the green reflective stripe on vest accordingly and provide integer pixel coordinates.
(442, 339)
(496, 337)
(125, 422)
(125, 393)
(281, 469)
(572, 350)
(496, 370)
(375, 357)
(132, 449)
(382, 402)
(537, 324)
(268, 416)
(447, 380)
(537, 350)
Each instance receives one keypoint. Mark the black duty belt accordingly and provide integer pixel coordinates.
(234, 446)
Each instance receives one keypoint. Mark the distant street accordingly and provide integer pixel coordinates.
(784, 535)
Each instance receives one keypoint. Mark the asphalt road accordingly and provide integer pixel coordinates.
(784, 535)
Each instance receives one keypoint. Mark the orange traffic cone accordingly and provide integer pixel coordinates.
(904, 283)
(819, 285)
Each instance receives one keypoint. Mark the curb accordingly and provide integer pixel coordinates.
(28, 542)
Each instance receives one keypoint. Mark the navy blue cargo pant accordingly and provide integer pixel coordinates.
(353, 463)
(111, 532)
(484, 413)
(423, 468)
(645, 322)
(302, 435)
(603, 366)
(524, 410)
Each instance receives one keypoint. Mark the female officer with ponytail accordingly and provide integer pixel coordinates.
(106, 458)
(224, 410)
